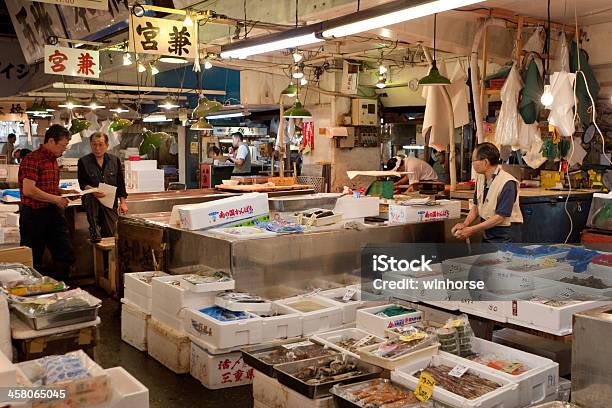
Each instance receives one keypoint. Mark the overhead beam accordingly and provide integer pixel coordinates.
(62, 95)
(134, 88)
(514, 17)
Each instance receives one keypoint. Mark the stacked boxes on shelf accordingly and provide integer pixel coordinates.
(143, 176)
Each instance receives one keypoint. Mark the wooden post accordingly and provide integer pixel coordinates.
(483, 90)
(519, 42)
(451, 138)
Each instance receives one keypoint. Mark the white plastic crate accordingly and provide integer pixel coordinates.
(317, 321)
(171, 299)
(168, 346)
(349, 308)
(368, 321)
(506, 396)
(331, 339)
(223, 335)
(218, 371)
(535, 385)
(134, 325)
(127, 391)
(547, 318)
(285, 325)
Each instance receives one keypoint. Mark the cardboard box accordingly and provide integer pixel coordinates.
(221, 212)
(404, 214)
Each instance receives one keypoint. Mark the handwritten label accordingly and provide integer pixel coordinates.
(425, 387)
(458, 371)
(298, 344)
(348, 295)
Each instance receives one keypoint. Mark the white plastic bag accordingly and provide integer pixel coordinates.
(507, 129)
(562, 108)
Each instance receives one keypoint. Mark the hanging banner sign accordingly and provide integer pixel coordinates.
(72, 62)
(92, 4)
(161, 37)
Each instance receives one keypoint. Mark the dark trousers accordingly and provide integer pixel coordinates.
(46, 228)
(101, 219)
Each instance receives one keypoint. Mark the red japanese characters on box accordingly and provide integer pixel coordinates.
(444, 210)
(218, 371)
(222, 212)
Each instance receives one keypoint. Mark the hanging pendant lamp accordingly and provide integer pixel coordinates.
(434, 78)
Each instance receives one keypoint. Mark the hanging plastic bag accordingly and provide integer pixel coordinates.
(507, 129)
(535, 43)
(562, 108)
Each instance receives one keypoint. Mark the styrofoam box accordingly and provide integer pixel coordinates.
(222, 335)
(255, 307)
(534, 385)
(317, 321)
(8, 373)
(137, 291)
(555, 275)
(220, 212)
(209, 287)
(134, 325)
(6, 346)
(168, 346)
(205, 367)
(504, 397)
(331, 338)
(12, 220)
(286, 325)
(351, 207)
(140, 165)
(143, 303)
(269, 393)
(494, 310)
(349, 309)
(550, 319)
(127, 391)
(174, 320)
(170, 299)
(9, 235)
(368, 321)
(444, 210)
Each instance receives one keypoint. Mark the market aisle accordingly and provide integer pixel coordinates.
(166, 389)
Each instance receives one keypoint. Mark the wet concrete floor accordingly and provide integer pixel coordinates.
(166, 389)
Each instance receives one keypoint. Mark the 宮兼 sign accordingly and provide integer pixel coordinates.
(162, 37)
(92, 4)
(72, 62)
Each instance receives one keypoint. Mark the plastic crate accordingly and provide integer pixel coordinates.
(506, 396)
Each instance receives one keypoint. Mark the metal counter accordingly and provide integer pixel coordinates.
(140, 203)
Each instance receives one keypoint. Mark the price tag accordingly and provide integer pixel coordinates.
(348, 295)
(510, 368)
(298, 344)
(425, 387)
(458, 371)
(419, 335)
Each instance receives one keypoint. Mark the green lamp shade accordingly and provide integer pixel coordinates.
(201, 124)
(297, 111)
(36, 109)
(205, 107)
(434, 78)
(290, 90)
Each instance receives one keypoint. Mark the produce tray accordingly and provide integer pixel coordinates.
(62, 318)
(251, 354)
(285, 375)
(342, 402)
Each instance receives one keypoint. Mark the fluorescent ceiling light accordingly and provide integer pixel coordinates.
(278, 41)
(227, 115)
(388, 14)
(173, 60)
(156, 118)
(413, 147)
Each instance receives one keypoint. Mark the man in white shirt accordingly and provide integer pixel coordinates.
(418, 170)
(242, 158)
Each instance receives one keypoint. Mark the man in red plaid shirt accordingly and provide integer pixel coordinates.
(41, 221)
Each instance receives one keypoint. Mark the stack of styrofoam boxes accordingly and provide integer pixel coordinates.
(9, 224)
(327, 318)
(168, 341)
(143, 176)
(6, 346)
(136, 307)
(368, 320)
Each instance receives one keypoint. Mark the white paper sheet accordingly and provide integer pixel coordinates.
(82, 193)
(109, 194)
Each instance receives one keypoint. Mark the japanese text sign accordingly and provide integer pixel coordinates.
(161, 37)
(72, 62)
(92, 4)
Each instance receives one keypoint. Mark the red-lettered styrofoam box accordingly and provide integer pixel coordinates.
(134, 325)
(349, 298)
(554, 319)
(223, 334)
(280, 324)
(220, 212)
(538, 382)
(352, 207)
(368, 320)
(506, 396)
(169, 298)
(327, 317)
(168, 346)
(138, 290)
(408, 214)
(127, 391)
(218, 371)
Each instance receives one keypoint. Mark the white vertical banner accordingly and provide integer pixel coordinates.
(92, 4)
(162, 37)
(72, 61)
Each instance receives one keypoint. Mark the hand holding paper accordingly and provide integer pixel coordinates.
(108, 200)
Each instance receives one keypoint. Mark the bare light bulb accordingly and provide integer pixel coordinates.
(141, 67)
(127, 59)
(188, 21)
(382, 82)
(547, 97)
(303, 81)
(207, 64)
(154, 69)
(382, 69)
(297, 56)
